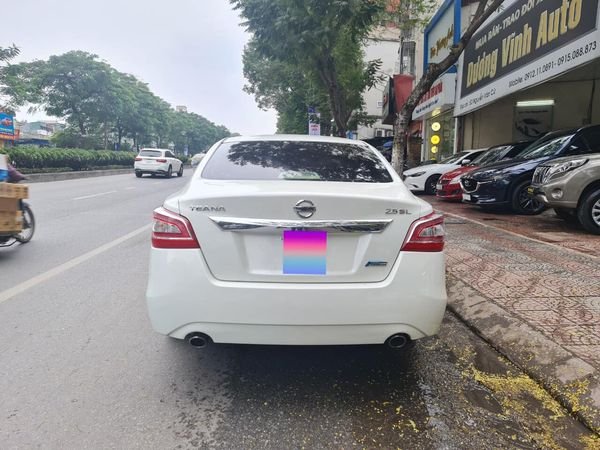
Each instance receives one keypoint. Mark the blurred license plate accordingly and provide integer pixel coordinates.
(438, 187)
(304, 252)
(466, 197)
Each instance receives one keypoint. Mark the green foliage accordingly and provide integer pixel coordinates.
(32, 158)
(309, 53)
(102, 106)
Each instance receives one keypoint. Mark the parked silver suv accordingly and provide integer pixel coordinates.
(572, 187)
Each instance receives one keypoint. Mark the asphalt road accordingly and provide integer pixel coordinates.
(80, 366)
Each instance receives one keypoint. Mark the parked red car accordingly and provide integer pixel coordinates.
(448, 187)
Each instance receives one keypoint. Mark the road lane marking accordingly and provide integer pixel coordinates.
(94, 195)
(41, 278)
(130, 187)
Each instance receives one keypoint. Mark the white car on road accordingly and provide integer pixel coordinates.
(296, 240)
(425, 178)
(157, 161)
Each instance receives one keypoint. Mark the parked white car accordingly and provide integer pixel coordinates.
(197, 159)
(424, 178)
(301, 240)
(157, 161)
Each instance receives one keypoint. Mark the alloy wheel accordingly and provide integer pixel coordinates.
(596, 212)
(527, 203)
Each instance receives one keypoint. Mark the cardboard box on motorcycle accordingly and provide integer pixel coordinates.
(11, 217)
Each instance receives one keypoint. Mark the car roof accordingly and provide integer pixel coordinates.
(294, 138)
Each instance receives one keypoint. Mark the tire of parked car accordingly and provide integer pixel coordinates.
(588, 211)
(431, 183)
(180, 172)
(169, 172)
(523, 203)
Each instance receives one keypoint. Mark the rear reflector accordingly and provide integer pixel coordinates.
(171, 230)
(426, 235)
(137, 158)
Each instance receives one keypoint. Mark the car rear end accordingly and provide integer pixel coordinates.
(151, 162)
(296, 241)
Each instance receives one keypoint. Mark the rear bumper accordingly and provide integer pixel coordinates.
(183, 298)
(153, 168)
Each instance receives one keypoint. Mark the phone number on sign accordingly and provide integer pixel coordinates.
(563, 59)
(577, 53)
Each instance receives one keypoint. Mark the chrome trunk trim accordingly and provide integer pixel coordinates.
(344, 226)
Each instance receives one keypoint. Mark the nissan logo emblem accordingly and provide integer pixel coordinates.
(305, 208)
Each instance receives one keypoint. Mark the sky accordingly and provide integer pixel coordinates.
(188, 51)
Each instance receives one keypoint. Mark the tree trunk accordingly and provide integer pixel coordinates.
(327, 74)
(403, 119)
(105, 136)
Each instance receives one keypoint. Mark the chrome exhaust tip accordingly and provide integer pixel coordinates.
(397, 341)
(198, 340)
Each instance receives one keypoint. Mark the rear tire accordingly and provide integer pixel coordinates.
(28, 225)
(523, 203)
(431, 183)
(589, 212)
(169, 172)
(568, 215)
(138, 174)
(180, 173)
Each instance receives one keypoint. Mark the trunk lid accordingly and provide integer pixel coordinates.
(261, 231)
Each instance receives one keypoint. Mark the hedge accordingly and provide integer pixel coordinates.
(34, 158)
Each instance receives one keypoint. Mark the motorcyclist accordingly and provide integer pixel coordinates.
(14, 176)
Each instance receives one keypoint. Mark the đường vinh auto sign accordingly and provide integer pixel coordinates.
(524, 43)
(7, 126)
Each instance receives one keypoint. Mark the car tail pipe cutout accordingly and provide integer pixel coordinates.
(398, 341)
(198, 340)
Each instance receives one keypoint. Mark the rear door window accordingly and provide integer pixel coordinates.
(592, 136)
(151, 153)
(293, 160)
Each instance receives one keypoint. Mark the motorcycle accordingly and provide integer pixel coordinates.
(24, 236)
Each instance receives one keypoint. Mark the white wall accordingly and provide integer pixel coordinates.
(384, 45)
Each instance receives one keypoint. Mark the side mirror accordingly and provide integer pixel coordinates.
(465, 162)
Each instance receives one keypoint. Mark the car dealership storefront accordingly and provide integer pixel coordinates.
(532, 68)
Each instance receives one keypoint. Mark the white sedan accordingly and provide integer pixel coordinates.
(157, 161)
(424, 178)
(296, 240)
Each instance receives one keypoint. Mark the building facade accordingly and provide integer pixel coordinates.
(533, 67)
(383, 44)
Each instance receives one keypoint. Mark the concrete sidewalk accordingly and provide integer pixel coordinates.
(537, 304)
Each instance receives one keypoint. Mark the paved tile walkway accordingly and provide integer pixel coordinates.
(554, 290)
(546, 227)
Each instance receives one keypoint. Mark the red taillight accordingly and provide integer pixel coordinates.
(161, 160)
(171, 230)
(426, 235)
(137, 158)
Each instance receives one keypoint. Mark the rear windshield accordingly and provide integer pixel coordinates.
(287, 160)
(151, 153)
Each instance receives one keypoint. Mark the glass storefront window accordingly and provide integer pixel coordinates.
(439, 136)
